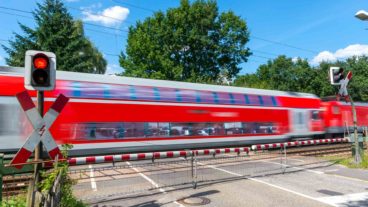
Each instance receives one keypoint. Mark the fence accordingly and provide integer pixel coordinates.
(130, 175)
(15, 186)
(111, 176)
(53, 197)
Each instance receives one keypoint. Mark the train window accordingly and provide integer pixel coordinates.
(156, 93)
(260, 100)
(300, 118)
(168, 94)
(178, 95)
(267, 101)
(274, 101)
(106, 91)
(233, 128)
(253, 100)
(246, 99)
(145, 93)
(76, 87)
(111, 131)
(198, 96)
(188, 96)
(134, 130)
(132, 93)
(238, 98)
(119, 92)
(232, 100)
(157, 129)
(206, 96)
(315, 115)
(91, 90)
(215, 97)
(224, 98)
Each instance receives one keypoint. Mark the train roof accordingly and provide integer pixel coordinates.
(111, 79)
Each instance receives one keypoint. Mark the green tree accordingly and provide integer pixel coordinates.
(57, 32)
(284, 74)
(190, 43)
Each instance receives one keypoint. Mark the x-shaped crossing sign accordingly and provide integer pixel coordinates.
(41, 128)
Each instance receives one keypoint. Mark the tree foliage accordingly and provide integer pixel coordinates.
(284, 74)
(57, 32)
(193, 42)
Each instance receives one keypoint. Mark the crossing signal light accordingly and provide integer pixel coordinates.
(40, 70)
(336, 75)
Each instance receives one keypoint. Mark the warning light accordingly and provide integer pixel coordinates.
(40, 68)
(40, 61)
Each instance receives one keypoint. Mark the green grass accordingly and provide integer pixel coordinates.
(348, 161)
(14, 201)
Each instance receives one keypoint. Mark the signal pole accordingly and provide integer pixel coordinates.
(39, 148)
(357, 157)
(34, 194)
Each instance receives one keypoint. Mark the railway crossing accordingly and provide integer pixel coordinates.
(41, 132)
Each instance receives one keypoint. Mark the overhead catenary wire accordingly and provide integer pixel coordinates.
(126, 31)
(252, 36)
(133, 6)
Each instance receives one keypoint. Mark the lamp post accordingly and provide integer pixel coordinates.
(362, 15)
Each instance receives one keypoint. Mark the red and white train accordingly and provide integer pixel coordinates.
(109, 114)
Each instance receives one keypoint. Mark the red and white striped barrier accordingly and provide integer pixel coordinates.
(150, 155)
(221, 151)
(41, 127)
(127, 157)
(175, 154)
(297, 143)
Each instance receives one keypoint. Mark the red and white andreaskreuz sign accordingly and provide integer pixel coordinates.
(41, 128)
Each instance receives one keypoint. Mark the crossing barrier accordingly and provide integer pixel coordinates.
(153, 155)
(297, 143)
(184, 153)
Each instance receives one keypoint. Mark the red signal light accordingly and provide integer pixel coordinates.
(40, 61)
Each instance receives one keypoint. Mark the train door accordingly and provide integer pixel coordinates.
(299, 121)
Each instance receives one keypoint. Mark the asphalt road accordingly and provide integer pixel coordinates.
(227, 181)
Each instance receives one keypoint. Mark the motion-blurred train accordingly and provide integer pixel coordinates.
(110, 114)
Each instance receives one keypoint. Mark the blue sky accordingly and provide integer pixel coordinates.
(321, 30)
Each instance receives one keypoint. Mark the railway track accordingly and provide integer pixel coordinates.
(14, 185)
(321, 150)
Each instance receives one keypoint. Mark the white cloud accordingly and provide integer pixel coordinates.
(92, 6)
(112, 16)
(295, 59)
(112, 69)
(2, 61)
(349, 51)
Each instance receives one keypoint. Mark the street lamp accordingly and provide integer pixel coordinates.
(362, 15)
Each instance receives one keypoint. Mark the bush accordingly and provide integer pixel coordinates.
(49, 177)
(16, 201)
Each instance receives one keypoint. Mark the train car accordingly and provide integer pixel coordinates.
(338, 117)
(111, 114)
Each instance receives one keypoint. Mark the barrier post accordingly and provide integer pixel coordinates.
(1, 177)
(357, 157)
(194, 169)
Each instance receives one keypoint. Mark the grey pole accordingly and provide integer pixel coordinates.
(33, 197)
(357, 157)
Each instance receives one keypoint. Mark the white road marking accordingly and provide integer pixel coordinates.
(332, 170)
(296, 159)
(92, 177)
(152, 182)
(299, 168)
(269, 184)
(343, 199)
